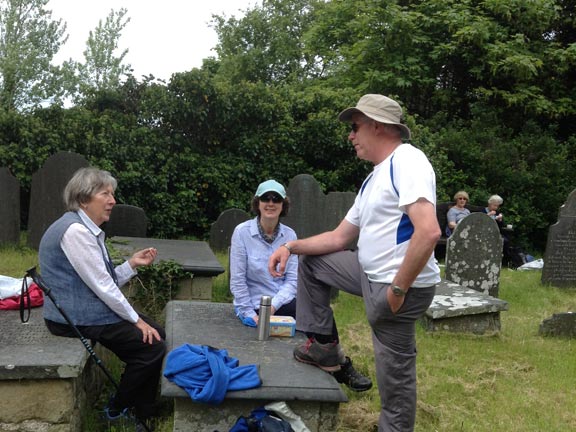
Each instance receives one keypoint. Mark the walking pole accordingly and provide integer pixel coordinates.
(32, 273)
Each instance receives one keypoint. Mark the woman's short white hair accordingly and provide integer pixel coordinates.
(495, 199)
(84, 184)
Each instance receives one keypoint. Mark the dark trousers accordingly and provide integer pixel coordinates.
(393, 335)
(289, 309)
(140, 379)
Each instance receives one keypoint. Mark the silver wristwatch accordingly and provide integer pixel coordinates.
(397, 291)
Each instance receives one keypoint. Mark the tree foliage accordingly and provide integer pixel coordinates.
(29, 39)
(487, 88)
(103, 68)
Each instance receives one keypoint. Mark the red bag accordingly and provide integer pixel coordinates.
(36, 299)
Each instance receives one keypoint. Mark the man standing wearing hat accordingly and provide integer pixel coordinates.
(393, 269)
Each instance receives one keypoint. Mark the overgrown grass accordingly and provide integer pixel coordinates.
(516, 381)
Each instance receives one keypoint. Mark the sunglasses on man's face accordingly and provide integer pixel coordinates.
(276, 199)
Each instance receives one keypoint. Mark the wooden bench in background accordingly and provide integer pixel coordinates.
(442, 216)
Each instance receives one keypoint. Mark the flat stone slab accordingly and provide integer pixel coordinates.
(283, 378)
(30, 351)
(453, 300)
(194, 256)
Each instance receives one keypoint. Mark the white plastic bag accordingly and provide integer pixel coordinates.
(282, 410)
(532, 265)
(9, 287)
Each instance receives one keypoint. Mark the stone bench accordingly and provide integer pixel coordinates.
(195, 257)
(463, 310)
(46, 381)
(311, 393)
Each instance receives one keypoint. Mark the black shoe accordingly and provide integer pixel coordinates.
(352, 378)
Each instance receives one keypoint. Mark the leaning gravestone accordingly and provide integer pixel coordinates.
(9, 207)
(474, 254)
(126, 221)
(221, 231)
(48, 183)
(560, 256)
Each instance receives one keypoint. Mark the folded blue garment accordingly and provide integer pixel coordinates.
(207, 373)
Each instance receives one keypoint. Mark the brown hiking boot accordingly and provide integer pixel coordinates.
(327, 357)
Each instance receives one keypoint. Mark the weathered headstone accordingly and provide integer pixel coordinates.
(474, 254)
(313, 212)
(306, 215)
(560, 256)
(221, 230)
(9, 207)
(126, 220)
(48, 183)
(562, 324)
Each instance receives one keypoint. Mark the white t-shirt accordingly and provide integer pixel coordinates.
(385, 229)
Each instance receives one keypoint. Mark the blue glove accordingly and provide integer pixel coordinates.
(247, 321)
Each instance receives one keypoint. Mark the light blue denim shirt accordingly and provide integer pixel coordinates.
(249, 276)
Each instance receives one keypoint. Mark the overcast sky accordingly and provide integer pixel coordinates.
(162, 37)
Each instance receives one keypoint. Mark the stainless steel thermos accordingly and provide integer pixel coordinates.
(264, 317)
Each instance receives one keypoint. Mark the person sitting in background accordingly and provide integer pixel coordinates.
(457, 212)
(493, 209)
(252, 244)
(76, 266)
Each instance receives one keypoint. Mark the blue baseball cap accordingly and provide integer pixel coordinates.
(270, 186)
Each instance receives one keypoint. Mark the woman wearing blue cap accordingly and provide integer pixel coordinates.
(253, 242)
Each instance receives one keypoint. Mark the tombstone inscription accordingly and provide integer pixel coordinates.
(560, 256)
(474, 254)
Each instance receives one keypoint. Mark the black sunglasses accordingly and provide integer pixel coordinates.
(355, 127)
(276, 199)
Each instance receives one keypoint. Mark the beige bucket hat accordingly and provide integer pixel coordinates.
(379, 108)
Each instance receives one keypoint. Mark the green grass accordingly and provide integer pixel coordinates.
(516, 381)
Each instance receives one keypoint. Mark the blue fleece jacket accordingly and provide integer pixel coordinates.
(207, 373)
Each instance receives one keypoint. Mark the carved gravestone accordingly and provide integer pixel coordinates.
(474, 254)
(9, 207)
(560, 256)
(127, 221)
(48, 183)
(562, 325)
(221, 230)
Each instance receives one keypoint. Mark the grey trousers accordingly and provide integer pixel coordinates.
(393, 335)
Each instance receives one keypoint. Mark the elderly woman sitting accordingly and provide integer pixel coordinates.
(457, 212)
(493, 209)
(77, 267)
